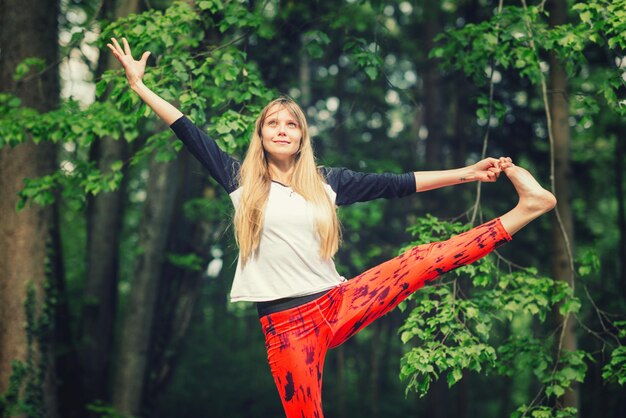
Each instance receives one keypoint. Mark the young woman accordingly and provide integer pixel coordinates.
(287, 231)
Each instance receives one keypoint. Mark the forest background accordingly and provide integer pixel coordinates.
(116, 248)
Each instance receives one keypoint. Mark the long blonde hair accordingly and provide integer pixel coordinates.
(255, 181)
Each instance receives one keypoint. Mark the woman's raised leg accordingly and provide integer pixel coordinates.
(360, 301)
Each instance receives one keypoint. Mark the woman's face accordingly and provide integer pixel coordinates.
(281, 134)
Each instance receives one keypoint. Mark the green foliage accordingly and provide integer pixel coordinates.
(191, 262)
(26, 66)
(615, 370)
(490, 109)
(520, 38)
(452, 332)
(202, 80)
(503, 40)
(106, 411)
(455, 331)
(25, 392)
(544, 412)
(315, 42)
(429, 228)
(10, 401)
(605, 23)
(519, 41)
(364, 56)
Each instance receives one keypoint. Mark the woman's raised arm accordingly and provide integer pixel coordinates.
(222, 166)
(134, 73)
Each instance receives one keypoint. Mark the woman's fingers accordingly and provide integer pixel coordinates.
(505, 162)
(117, 46)
(112, 48)
(127, 48)
(490, 162)
(489, 169)
(144, 57)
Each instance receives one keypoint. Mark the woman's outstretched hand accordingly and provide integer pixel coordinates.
(489, 169)
(134, 69)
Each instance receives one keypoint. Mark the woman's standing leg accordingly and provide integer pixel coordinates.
(297, 340)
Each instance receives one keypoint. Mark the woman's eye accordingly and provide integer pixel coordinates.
(271, 123)
(292, 125)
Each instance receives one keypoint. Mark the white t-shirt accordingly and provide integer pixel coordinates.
(288, 262)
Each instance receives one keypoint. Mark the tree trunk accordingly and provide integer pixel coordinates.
(342, 396)
(135, 329)
(180, 290)
(438, 400)
(621, 211)
(461, 120)
(103, 235)
(433, 112)
(378, 346)
(304, 75)
(559, 109)
(68, 370)
(26, 30)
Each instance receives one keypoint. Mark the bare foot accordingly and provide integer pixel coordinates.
(533, 199)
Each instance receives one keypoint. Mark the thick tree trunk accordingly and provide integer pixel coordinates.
(179, 289)
(135, 333)
(103, 236)
(559, 109)
(26, 30)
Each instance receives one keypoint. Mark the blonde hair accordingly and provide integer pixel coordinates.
(255, 181)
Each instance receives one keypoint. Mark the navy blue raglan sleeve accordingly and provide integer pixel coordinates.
(222, 167)
(352, 186)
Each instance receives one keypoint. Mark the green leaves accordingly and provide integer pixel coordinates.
(452, 332)
(213, 5)
(28, 65)
(544, 412)
(501, 41)
(505, 41)
(571, 368)
(40, 191)
(190, 261)
(615, 370)
(364, 56)
(201, 80)
(315, 41)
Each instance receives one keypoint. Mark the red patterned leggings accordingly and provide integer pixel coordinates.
(297, 339)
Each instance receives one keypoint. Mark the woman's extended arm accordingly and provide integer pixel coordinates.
(134, 73)
(351, 186)
(223, 168)
(486, 170)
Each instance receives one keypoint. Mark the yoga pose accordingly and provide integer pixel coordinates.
(287, 231)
